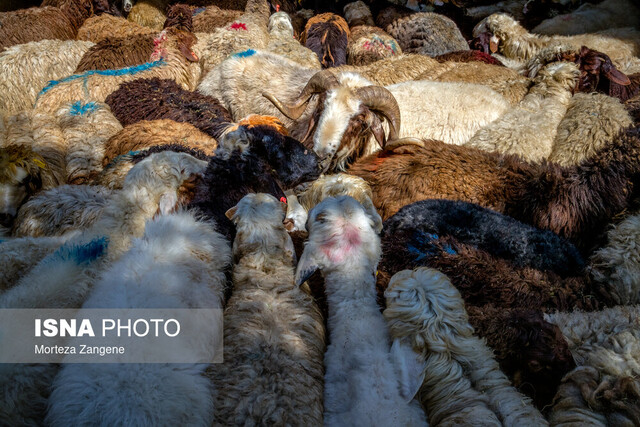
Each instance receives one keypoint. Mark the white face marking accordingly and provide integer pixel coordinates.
(340, 106)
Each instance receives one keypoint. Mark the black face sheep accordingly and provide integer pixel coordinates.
(575, 202)
(41, 23)
(274, 333)
(139, 100)
(362, 385)
(426, 314)
(327, 35)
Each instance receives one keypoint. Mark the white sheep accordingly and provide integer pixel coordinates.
(462, 379)
(362, 384)
(529, 128)
(187, 274)
(274, 332)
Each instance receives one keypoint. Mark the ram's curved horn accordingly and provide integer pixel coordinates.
(320, 82)
(378, 98)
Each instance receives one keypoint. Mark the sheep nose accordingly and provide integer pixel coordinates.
(6, 220)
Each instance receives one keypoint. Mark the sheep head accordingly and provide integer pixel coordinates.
(499, 33)
(179, 16)
(21, 172)
(174, 39)
(352, 115)
(342, 239)
(594, 65)
(259, 218)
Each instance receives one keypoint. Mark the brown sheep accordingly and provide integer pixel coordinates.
(327, 35)
(212, 17)
(574, 202)
(42, 23)
(146, 134)
(97, 28)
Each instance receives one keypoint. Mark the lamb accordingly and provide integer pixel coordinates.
(425, 33)
(327, 36)
(61, 210)
(575, 202)
(592, 120)
(86, 129)
(499, 235)
(148, 276)
(149, 13)
(172, 59)
(149, 133)
(506, 36)
(138, 100)
(28, 67)
(56, 282)
(367, 43)
(529, 130)
(97, 28)
(268, 315)
(42, 23)
(589, 18)
(282, 42)
(425, 313)
(262, 162)
(361, 381)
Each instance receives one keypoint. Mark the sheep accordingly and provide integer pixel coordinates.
(269, 162)
(425, 33)
(34, 24)
(268, 315)
(247, 32)
(592, 120)
(148, 133)
(337, 185)
(468, 56)
(499, 235)
(56, 282)
(426, 314)
(633, 107)
(86, 129)
(362, 385)
(149, 13)
(327, 35)
(172, 59)
(190, 275)
(575, 202)
(589, 18)
(367, 43)
(26, 68)
(281, 42)
(97, 28)
(529, 130)
(212, 17)
(138, 100)
(507, 37)
(117, 52)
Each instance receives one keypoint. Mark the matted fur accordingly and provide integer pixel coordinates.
(274, 333)
(117, 52)
(361, 382)
(367, 43)
(100, 27)
(138, 100)
(189, 274)
(148, 133)
(42, 23)
(86, 129)
(576, 202)
(592, 121)
(212, 17)
(282, 42)
(95, 85)
(27, 68)
(61, 210)
(426, 312)
(149, 13)
(327, 35)
(530, 128)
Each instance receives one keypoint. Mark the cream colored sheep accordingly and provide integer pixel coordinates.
(99, 27)
(281, 42)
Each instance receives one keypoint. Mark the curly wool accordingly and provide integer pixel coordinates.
(269, 316)
(425, 309)
(213, 17)
(138, 100)
(149, 133)
(27, 68)
(370, 44)
(149, 13)
(117, 52)
(97, 28)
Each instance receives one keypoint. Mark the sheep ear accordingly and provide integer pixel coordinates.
(306, 267)
(168, 202)
(231, 212)
(617, 76)
(410, 368)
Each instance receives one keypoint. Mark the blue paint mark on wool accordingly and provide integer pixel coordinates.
(198, 10)
(118, 72)
(425, 246)
(247, 53)
(82, 254)
(78, 108)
